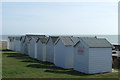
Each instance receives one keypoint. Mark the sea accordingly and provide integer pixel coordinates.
(113, 39)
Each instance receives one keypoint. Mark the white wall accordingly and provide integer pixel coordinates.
(35, 50)
(12, 45)
(9, 44)
(32, 48)
(28, 48)
(100, 60)
(63, 55)
(17, 45)
(44, 52)
(22, 47)
(50, 51)
(39, 51)
(81, 58)
(25, 46)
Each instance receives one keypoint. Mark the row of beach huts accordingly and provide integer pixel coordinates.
(89, 55)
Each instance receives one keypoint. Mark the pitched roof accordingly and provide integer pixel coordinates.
(43, 39)
(74, 39)
(17, 37)
(11, 38)
(67, 40)
(54, 38)
(36, 37)
(21, 37)
(96, 42)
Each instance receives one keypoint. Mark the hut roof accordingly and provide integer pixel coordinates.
(68, 40)
(94, 42)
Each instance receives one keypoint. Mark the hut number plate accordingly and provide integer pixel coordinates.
(80, 50)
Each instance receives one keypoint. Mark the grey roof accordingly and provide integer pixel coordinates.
(74, 39)
(22, 37)
(36, 37)
(17, 38)
(43, 39)
(68, 41)
(96, 42)
(54, 38)
(11, 38)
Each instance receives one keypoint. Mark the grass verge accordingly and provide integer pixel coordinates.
(16, 65)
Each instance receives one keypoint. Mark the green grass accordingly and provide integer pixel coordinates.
(16, 65)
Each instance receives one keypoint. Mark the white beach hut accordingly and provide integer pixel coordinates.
(25, 48)
(11, 43)
(92, 55)
(22, 39)
(41, 48)
(64, 52)
(50, 48)
(33, 45)
(17, 43)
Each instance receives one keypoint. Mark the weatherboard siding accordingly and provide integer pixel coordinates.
(63, 55)
(17, 45)
(50, 51)
(32, 48)
(100, 60)
(39, 51)
(81, 58)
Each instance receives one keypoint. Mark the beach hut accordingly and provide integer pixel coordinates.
(17, 43)
(50, 48)
(22, 44)
(33, 45)
(25, 43)
(11, 43)
(41, 48)
(92, 55)
(64, 51)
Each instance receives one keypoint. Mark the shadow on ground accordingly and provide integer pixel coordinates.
(57, 70)
(5, 50)
(50, 67)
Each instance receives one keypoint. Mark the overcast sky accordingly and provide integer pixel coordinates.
(60, 18)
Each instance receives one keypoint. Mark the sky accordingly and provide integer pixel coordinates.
(60, 18)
